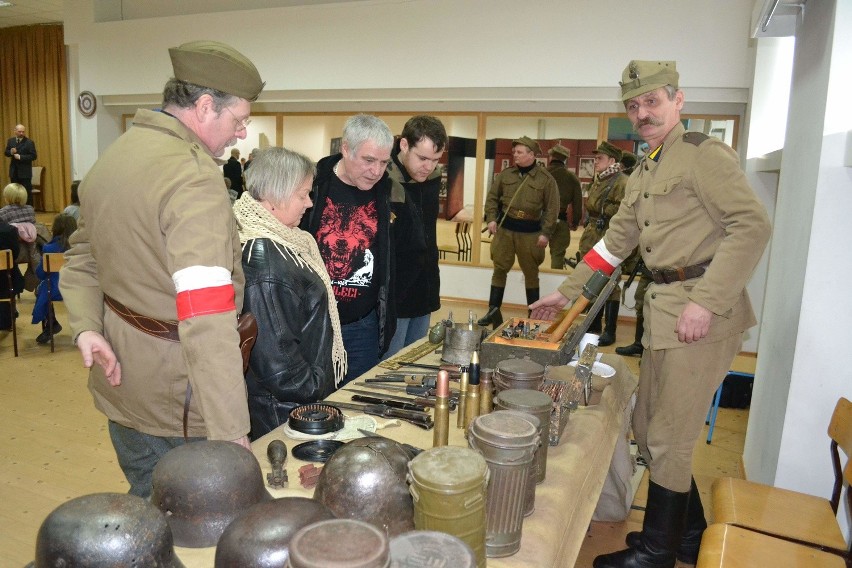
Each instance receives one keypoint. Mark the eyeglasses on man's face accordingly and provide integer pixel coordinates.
(239, 124)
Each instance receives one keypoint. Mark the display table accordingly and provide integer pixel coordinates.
(565, 501)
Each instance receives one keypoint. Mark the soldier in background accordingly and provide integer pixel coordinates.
(520, 211)
(605, 195)
(570, 204)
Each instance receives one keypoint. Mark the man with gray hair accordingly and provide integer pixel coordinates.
(352, 221)
(153, 282)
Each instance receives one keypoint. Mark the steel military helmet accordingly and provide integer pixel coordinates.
(366, 480)
(203, 486)
(105, 530)
(260, 537)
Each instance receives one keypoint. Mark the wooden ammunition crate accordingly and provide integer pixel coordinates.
(496, 348)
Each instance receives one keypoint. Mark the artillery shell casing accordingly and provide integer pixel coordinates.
(441, 432)
(462, 398)
(471, 405)
(486, 391)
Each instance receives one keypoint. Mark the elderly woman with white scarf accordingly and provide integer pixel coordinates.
(298, 357)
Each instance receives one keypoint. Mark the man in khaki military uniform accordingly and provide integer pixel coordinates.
(701, 231)
(520, 211)
(153, 282)
(605, 195)
(570, 204)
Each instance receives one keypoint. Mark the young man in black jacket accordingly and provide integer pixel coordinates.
(418, 282)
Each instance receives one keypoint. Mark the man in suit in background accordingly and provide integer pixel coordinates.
(233, 170)
(22, 152)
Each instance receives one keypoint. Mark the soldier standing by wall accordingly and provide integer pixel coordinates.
(570, 204)
(520, 211)
(605, 195)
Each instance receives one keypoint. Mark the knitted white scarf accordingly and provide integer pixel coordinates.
(255, 222)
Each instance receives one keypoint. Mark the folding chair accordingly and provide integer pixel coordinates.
(714, 408)
(7, 263)
(51, 262)
(461, 250)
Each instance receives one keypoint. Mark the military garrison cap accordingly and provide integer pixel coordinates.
(640, 77)
(560, 152)
(609, 149)
(218, 66)
(529, 143)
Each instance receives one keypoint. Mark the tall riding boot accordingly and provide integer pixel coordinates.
(611, 315)
(687, 552)
(493, 316)
(634, 349)
(662, 530)
(595, 326)
(532, 296)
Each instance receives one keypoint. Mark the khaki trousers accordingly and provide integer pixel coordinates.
(676, 387)
(505, 245)
(559, 241)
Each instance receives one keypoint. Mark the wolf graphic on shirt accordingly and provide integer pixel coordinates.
(344, 237)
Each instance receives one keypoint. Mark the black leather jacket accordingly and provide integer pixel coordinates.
(291, 360)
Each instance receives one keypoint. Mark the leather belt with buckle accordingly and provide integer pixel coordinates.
(672, 275)
(519, 214)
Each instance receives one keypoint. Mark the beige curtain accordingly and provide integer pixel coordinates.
(34, 92)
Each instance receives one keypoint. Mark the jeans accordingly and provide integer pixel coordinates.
(408, 330)
(361, 340)
(138, 453)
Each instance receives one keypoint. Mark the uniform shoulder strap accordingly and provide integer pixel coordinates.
(694, 138)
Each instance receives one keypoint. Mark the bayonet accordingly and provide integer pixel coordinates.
(419, 419)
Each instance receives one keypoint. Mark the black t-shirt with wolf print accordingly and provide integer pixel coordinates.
(347, 243)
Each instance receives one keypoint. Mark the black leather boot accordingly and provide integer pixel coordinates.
(611, 309)
(595, 326)
(634, 349)
(493, 317)
(662, 530)
(687, 552)
(532, 296)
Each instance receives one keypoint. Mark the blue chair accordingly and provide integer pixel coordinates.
(714, 408)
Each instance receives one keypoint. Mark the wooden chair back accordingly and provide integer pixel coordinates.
(840, 432)
(52, 263)
(38, 188)
(7, 263)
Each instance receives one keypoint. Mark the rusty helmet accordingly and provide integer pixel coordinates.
(106, 529)
(366, 480)
(260, 537)
(203, 486)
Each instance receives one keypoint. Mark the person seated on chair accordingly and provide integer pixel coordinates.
(15, 208)
(9, 240)
(299, 356)
(63, 226)
(74, 208)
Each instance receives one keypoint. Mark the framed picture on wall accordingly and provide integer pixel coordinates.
(587, 168)
(542, 162)
(334, 147)
(504, 165)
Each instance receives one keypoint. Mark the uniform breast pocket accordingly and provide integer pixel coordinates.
(671, 199)
(631, 197)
